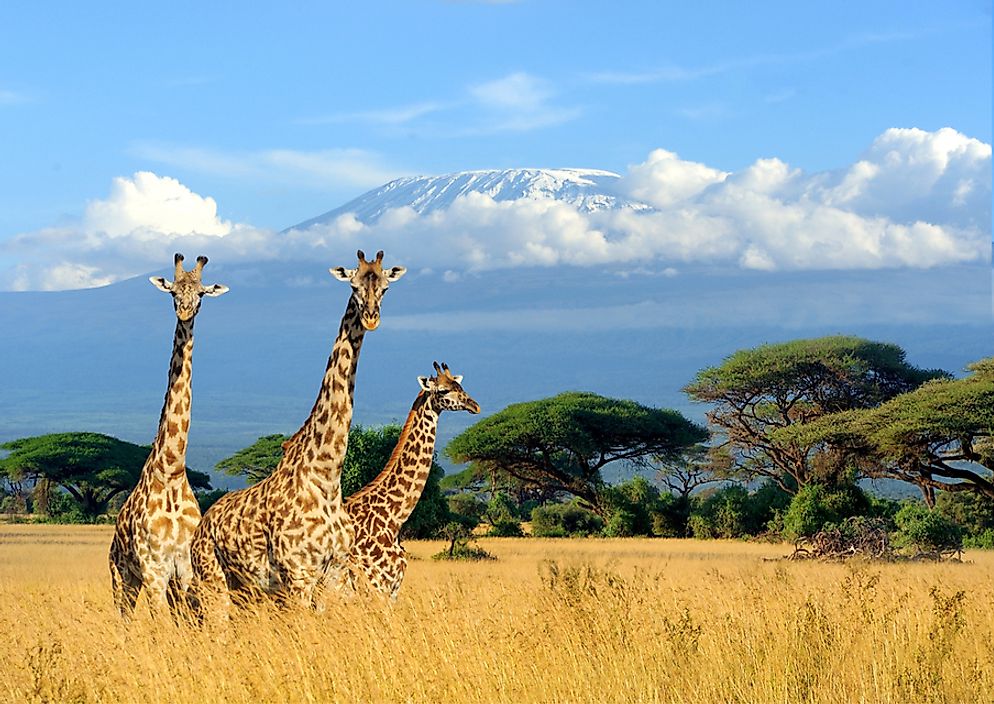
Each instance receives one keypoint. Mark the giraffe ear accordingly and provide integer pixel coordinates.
(215, 290)
(457, 378)
(425, 382)
(341, 273)
(395, 273)
(161, 283)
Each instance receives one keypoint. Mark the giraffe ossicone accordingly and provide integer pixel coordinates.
(151, 545)
(282, 535)
(380, 509)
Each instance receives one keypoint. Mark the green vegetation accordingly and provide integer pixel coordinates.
(795, 428)
(756, 392)
(563, 443)
(91, 468)
(937, 437)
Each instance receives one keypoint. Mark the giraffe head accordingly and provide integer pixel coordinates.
(446, 392)
(369, 282)
(186, 287)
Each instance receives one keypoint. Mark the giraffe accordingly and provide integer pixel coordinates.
(151, 545)
(281, 535)
(379, 509)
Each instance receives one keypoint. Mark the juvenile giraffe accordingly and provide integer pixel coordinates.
(381, 508)
(281, 535)
(151, 545)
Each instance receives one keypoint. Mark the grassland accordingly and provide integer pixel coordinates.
(550, 621)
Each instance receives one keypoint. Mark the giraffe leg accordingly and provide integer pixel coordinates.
(126, 586)
(157, 591)
(398, 568)
(179, 588)
(208, 592)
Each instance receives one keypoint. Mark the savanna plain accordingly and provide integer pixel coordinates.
(583, 620)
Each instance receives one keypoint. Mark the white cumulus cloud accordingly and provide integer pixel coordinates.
(146, 202)
(914, 199)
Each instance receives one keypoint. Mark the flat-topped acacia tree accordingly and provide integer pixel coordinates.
(93, 468)
(939, 436)
(566, 441)
(756, 392)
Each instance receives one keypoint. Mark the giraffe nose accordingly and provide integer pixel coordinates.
(370, 322)
(473, 407)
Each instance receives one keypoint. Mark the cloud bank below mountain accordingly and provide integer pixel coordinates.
(914, 199)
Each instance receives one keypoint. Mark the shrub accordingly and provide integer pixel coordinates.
(466, 509)
(206, 499)
(506, 529)
(972, 512)
(983, 540)
(62, 508)
(816, 506)
(500, 509)
(721, 514)
(460, 545)
(622, 524)
(563, 520)
(926, 529)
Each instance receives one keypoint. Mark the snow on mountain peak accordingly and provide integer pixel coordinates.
(586, 189)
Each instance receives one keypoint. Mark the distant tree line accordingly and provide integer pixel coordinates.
(792, 431)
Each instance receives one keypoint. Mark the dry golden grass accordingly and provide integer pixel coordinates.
(605, 621)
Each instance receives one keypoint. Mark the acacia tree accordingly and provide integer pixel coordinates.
(698, 466)
(367, 454)
(938, 436)
(563, 443)
(91, 467)
(756, 392)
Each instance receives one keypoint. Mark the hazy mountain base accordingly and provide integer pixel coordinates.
(96, 359)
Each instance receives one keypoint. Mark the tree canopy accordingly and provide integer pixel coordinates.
(938, 436)
(367, 454)
(756, 392)
(257, 461)
(564, 442)
(93, 468)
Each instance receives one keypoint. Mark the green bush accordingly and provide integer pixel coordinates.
(206, 499)
(564, 520)
(461, 546)
(506, 529)
(973, 512)
(62, 508)
(622, 524)
(926, 529)
(816, 506)
(722, 514)
(983, 540)
(466, 509)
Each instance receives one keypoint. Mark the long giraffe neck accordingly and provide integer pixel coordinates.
(320, 443)
(169, 448)
(403, 479)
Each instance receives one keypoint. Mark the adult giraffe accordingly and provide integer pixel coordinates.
(151, 545)
(281, 535)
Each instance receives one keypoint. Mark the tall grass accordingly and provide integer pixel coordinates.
(551, 621)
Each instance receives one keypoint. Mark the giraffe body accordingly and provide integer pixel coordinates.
(151, 544)
(282, 535)
(380, 509)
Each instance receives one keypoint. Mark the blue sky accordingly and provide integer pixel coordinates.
(281, 113)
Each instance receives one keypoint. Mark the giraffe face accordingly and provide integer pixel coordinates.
(445, 391)
(369, 282)
(186, 288)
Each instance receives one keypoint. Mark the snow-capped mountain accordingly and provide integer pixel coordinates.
(586, 189)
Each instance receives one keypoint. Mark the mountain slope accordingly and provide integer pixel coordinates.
(586, 189)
